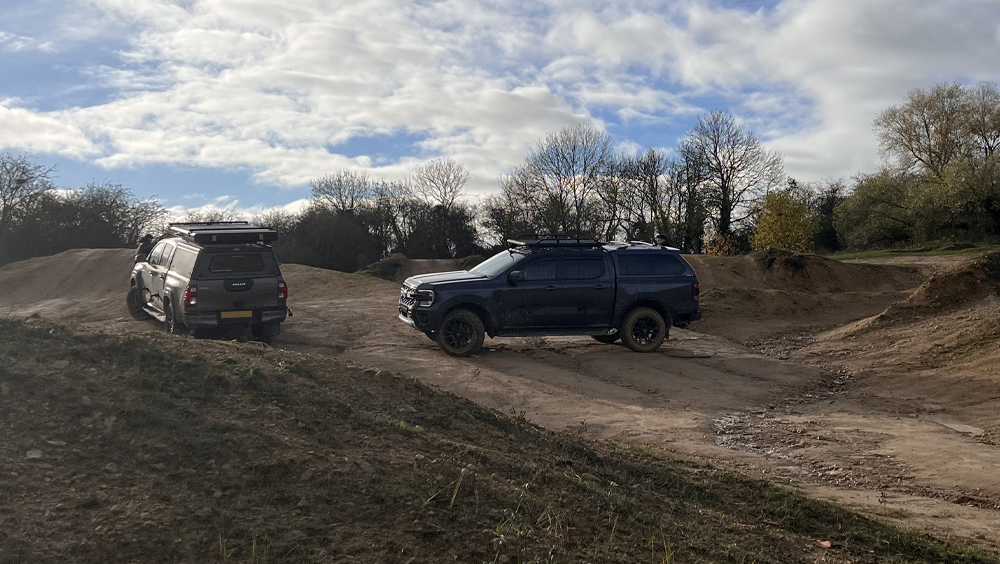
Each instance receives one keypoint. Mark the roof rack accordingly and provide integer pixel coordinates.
(223, 233)
(553, 242)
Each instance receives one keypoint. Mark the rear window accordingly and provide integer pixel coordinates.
(236, 263)
(650, 264)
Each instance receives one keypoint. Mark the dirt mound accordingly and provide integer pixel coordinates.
(943, 292)
(781, 270)
(158, 448)
(398, 268)
(76, 284)
(753, 297)
(310, 284)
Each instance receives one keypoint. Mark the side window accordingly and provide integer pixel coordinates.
(183, 263)
(542, 270)
(156, 253)
(581, 269)
(165, 257)
(650, 264)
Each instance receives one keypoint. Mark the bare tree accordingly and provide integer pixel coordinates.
(647, 197)
(982, 120)
(440, 182)
(210, 215)
(565, 171)
(21, 182)
(345, 190)
(926, 131)
(737, 168)
(125, 217)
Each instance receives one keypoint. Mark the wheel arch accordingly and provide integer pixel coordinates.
(654, 305)
(489, 323)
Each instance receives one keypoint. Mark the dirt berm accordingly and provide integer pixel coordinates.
(756, 296)
(744, 297)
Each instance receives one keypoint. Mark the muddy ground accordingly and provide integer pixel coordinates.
(872, 384)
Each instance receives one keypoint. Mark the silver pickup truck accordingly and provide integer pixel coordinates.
(217, 275)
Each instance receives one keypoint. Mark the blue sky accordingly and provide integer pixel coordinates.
(239, 103)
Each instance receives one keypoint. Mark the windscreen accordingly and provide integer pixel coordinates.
(497, 264)
(242, 263)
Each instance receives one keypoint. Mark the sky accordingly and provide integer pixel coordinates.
(238, 104)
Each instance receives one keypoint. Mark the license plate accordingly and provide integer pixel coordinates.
(236, 314)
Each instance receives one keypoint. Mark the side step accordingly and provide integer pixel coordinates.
(155, 314)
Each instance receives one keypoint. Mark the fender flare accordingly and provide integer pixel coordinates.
(479, 307)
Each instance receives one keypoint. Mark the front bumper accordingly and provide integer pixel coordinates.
(420, 318)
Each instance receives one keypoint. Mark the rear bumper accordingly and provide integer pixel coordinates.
(685, 318)
(208, 320)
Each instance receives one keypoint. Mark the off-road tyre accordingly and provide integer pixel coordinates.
(170, 324)
(643, 330)
(134, 303)
(264, 334)
(461, 333)
(607, 339)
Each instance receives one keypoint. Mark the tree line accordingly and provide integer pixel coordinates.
(718, 191)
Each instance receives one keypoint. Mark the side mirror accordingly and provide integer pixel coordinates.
(515, 277)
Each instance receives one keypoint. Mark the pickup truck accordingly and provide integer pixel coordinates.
(221, 276)
(628, 291)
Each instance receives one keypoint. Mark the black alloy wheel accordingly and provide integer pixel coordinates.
(461, 333)
(457, 333)
(644, 330)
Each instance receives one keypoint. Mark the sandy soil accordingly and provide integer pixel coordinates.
(867, 383)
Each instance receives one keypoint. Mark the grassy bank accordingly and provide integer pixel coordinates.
(155, 448)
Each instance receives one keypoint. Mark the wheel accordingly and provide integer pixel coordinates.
(133, 300)
(170, 324)
(266, 333)
(607, 339)
(643, 330)
(461, 333)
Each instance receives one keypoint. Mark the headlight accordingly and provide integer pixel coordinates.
(424, 297)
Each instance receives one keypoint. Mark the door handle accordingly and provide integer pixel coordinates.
(600, 287)
(550, 288)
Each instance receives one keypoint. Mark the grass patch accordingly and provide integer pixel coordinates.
(174, 449)
(921, 251)
(386, 269)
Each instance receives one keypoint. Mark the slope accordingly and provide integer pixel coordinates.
(157, 448)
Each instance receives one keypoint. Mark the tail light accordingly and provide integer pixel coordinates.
(696, 291)
(282, 290)
(190, 296)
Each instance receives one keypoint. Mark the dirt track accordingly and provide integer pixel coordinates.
(894, 414)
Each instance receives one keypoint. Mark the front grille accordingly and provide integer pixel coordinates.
(406, 301)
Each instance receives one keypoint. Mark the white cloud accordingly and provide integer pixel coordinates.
(231, 204)
(12, 42)
(52, 132)
(282, 89)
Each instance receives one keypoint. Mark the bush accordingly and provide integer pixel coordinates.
(386, 269)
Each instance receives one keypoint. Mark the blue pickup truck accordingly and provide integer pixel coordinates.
(629, 291)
